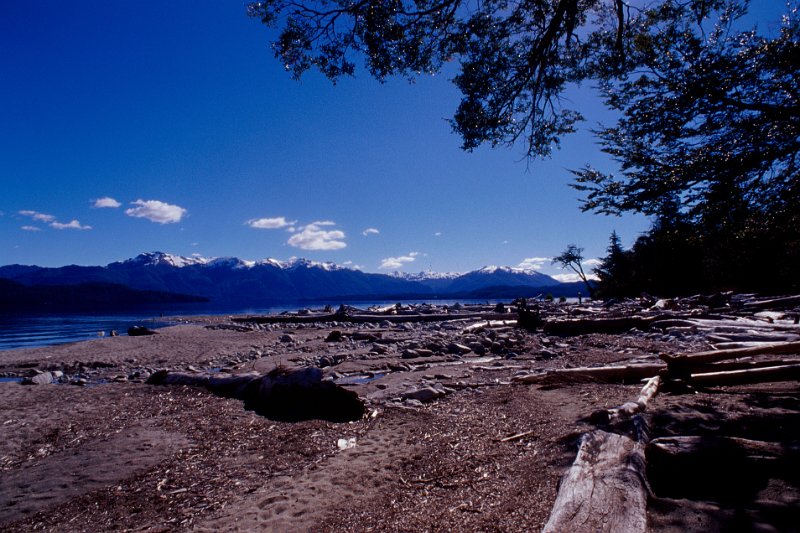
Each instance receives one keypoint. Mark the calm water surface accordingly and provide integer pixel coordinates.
(30, 330)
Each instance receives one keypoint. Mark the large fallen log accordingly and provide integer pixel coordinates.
(565, 328)
(716, 467)
(727, 366)
(605, 489)
(601, 374)
(745, 377)
(489, 324)
(709, 446)
(684, 361)
(775, 303)
(286, 395)
(629, 409)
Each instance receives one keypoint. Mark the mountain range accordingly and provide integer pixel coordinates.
(233, 281)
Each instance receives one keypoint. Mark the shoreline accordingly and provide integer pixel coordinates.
(121, 454)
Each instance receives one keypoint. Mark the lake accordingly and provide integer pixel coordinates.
(30, 330)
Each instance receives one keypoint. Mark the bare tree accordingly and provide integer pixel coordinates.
(572, 258)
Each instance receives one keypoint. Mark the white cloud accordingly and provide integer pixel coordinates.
(393, 263)
(73, 224)
(106, 201)
(31, 228)
(569, 278)
(313, 237)
(42, 217)
(591, 263)
(437, 234)
(352, 266)
(269, 223)
(156, 211)
(370, 231)
(534, 263)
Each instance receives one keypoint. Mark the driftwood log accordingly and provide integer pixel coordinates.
(727, 366)
(717, 467)
(286, 395)
(629, 409)
(689, 360)
(775, 303)
(566, 328)
(605, 489)
(602, 374)
(366, 318)
(744, 377)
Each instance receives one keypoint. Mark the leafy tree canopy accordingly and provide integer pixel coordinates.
(705, 108)
(710, 117)
(515, 57)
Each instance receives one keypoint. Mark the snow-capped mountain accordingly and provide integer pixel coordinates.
(231, 280)
(424, 276)
(155, 259)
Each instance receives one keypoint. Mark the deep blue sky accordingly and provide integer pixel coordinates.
(178, 111)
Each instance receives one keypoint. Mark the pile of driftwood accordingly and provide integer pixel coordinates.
(393, 314)
(607, 488)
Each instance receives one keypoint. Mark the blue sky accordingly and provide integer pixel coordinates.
(178, 119)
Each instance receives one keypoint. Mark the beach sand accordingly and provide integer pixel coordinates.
(119, 454)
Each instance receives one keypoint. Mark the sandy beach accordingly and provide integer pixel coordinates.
(478, 454)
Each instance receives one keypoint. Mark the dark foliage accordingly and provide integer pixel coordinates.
(710, 118)
(515, 58)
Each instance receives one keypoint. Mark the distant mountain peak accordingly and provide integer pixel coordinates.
(163, 258)
(230, 279)
(493, 269)
(421, 276)
(180, 261)
(300, 262)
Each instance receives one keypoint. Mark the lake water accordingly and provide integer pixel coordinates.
(30, 330)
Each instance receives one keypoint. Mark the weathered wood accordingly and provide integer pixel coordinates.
(687, 360)
(715, 467)
(605, 489)
(287, 395)
(744, 377)
(727, 366)
(775, 303)
(518, 436)
(603, 374)
(365, 318)
(756, 450)
(566, 328)
(489, 324)
(628, 409)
